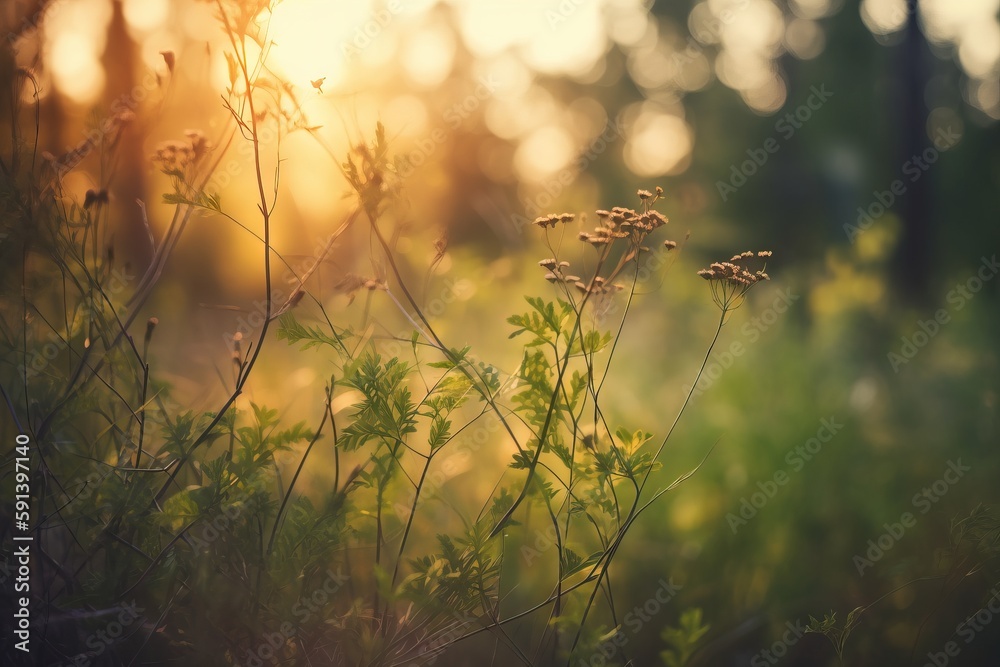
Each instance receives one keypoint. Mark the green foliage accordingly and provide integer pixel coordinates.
(682, 639)
(388, 413)
(837, 635)
(291, 330)
(220, 523)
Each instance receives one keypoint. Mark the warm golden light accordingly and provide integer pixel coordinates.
(659, 143)
(75, 36)
(544, 152)
(76, 71)
(883, 16)
(321, 38)
(145, 15)
(428, 55)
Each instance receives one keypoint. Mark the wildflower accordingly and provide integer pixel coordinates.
(670, 245)
(546, 221)
(175, 156)
(657, 219)
(618, 223)
(199, 144)
(150, 325)
(730, 281)
(441, 245)
(95, 197)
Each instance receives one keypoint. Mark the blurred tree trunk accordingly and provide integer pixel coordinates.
(912, 262)
(128, 182)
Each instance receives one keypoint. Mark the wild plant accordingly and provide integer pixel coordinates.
(229, 555)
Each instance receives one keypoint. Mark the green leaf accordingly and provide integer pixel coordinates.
(290, 329)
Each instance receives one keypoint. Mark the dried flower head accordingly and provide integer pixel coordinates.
(95, 197)
(553, 219)
(176, 156)
(619, 228)
(150, 326)
(730, 281)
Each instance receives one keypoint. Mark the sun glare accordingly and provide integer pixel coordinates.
(321, 38)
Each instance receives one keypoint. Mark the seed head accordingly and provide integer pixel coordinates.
(731, 280)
